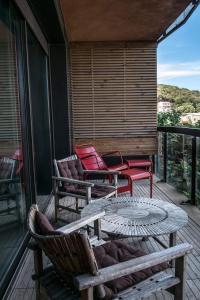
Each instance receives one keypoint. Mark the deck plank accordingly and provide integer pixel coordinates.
(23, 287)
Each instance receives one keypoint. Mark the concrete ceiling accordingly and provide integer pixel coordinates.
(119, 20)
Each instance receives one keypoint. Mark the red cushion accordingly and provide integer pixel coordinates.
(115, 252)
(136, 174)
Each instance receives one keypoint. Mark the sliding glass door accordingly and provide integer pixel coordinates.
(13, 206)
(25, 137)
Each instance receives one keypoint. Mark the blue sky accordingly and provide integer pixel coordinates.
(179, 55)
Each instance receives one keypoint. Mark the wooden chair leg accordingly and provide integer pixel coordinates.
(56, 199)
(131, 186)
(38, 268)
(97, 228)
(88, 194)
(87, 294)
(76, 204)
(151, 185)
(180, 264)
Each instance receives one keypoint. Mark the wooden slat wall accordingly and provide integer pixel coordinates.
(114, 99)
(9, 101)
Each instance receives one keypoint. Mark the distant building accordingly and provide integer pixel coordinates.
(190, 118)
(164, 106)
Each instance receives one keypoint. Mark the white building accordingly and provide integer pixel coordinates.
(190, 118)
(164, 106)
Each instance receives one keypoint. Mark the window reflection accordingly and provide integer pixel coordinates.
(12, 204)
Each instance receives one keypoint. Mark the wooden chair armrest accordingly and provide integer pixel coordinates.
(74, 181)
(103, 172)
(131, 266)
(80, 223)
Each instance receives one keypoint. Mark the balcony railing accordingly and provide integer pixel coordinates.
(178, 160)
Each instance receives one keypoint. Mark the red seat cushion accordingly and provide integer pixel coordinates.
(136, 174)
(115, 252)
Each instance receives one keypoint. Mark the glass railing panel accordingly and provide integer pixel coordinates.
(179, 162)
(159, 159)
(197, 195)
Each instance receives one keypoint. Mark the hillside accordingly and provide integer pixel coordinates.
(182, 99)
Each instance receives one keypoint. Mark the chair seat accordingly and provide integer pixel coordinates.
(96, 192)
(139, 163)
(114, 252)
(120, 167)
(136, 174)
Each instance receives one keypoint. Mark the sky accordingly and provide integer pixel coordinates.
(179, 55)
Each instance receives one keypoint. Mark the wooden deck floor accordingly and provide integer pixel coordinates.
(23, 287)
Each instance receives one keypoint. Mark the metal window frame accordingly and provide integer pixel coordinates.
(174, 26)
(32, 22)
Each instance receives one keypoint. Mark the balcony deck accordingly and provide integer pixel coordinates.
(23, 286)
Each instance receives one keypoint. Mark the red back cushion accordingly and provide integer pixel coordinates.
(89, 157)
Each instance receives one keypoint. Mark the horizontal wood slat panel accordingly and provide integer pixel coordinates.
(113, 89)
(127, 146)
(9, 102)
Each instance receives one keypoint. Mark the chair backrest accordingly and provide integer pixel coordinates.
(71, 254)
(90, 158)
(69, 167)
(7, 171)
(7, 168)
(19, 157)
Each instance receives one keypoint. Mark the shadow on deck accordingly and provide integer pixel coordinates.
(23, 286)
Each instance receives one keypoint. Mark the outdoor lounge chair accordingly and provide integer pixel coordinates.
(69, 181)
(92, 160)
(112, 270)
(132, 169)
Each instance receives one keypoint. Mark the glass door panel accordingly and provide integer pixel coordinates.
(38, 77)
(12, 200)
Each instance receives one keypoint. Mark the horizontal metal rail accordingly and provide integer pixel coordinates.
(180, 130)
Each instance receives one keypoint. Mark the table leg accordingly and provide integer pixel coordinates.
(131, 187)
(172, 242)
(172, 239)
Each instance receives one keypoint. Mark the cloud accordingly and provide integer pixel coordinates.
(178, 70)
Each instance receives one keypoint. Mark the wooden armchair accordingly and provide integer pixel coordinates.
(80, 271)
(9, 190)
(69, 181)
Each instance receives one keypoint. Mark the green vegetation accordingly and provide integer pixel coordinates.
(182, 100)
(179, 146)
(180, 97)
(169, 118)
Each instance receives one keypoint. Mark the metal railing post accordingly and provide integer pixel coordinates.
(165, 156)
(193, 175)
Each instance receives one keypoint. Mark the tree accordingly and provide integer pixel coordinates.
(186, 108)
(178, 96)
(197, 107)
(169, 118)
